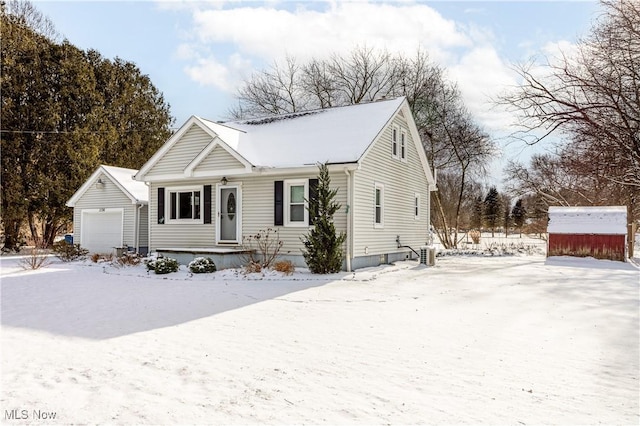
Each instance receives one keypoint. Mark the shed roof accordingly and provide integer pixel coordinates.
(609, 220)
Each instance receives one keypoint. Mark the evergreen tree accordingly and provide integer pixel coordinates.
(506, 216)
(492, 209)
(519, 214)
(63, 112)
(323, 246)
(477, 213)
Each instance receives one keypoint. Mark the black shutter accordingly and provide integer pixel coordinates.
(207, 204)
(278, 205)
(313, 200)
(161, 206)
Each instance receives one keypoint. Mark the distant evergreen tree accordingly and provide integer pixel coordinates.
(519, 214)
(492, 209)
(506, 216)
(477, 213)
(323, 246)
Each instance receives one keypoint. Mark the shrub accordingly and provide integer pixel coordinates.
(163, 265)
(262, 248)
(475, 236)
(128, 259)
(252, 268)
(202, 265)
(97, 257)
(36, 259)
(284, 266)
(69, 252)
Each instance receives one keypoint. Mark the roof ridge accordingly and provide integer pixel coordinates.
(267, 117)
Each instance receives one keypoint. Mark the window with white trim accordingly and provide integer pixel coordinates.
(416, 206)
(378, 208)
(185, 204)
(394, 141)
(403, 145)
(295, 194)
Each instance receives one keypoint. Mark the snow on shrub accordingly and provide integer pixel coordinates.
(163, 265)
(202, 265)
(494, 249)
(69, 252)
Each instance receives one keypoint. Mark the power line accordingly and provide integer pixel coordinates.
(62, 132)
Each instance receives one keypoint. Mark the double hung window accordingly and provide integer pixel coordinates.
(185, 204)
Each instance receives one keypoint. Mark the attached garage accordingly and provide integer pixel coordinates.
(598, 232)
(111, 211)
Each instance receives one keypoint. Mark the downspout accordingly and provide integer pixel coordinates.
(349, 219)
(135, 226)
(138, 227)
(149, 220)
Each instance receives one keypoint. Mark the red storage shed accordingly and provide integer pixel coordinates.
(599, 232)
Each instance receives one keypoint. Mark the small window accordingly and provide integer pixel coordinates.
(394, 142)
(185, 205)
(296, 192)
(416, 206)
(378, 206)
(403, 145)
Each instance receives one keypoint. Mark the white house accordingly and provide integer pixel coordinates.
(110, 210)
(213, 183)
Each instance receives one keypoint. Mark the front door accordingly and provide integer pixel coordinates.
(228, 208)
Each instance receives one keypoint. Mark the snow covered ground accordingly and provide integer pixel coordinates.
(482, 340)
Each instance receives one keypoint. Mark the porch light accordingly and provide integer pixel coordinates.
(224, 181)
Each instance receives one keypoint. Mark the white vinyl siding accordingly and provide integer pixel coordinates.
(402, 181)
(181, 154)
(108, 196)
(257, 213)
(144, 226)
(219, 159)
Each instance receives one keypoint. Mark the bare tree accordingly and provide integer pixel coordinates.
(592, 98)
(454, 143)
(27, 13)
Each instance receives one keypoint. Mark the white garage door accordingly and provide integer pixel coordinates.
(101, 231)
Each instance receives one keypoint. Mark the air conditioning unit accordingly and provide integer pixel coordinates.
(428, 255)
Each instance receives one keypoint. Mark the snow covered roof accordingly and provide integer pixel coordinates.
(588, 220)
(137, 191)
(124, 177)
(335, 135)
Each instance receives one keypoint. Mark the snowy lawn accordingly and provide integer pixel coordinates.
(491, 340)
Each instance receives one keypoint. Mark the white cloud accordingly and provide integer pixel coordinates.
(481, 76)
(267, 33)
(241, 35)
(223, 76)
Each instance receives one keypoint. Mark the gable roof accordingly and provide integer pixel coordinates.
(136, 191)
(336, 135)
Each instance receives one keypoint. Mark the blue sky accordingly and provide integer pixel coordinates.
(197, 52)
